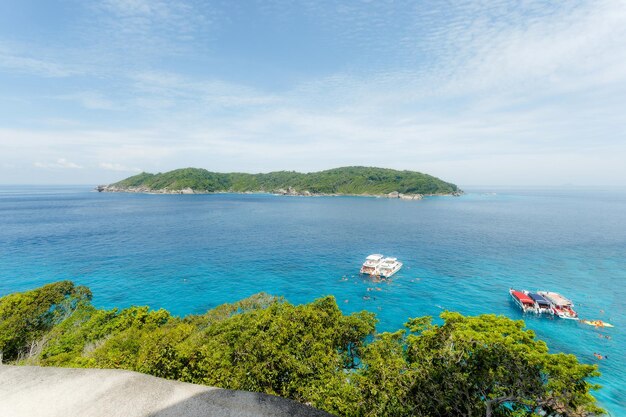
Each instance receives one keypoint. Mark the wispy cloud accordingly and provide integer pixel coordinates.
(573, 50)
(174, 87)
(117, 167)
(90, 100)
(150, 28)
(22, 63)
(60, 163)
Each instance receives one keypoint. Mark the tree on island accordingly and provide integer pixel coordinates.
(466, 366)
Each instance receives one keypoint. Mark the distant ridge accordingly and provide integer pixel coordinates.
(355, 180)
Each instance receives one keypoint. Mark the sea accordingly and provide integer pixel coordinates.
(190, 253)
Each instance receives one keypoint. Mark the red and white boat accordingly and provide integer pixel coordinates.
(523, 300)
(561, 306)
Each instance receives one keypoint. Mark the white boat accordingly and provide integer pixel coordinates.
(561, 306)
(370, 266)
(377, 265)
(389, 266)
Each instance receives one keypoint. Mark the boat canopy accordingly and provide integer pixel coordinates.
(522, 297)
(539, 299)
(374, 257)
(557, 299)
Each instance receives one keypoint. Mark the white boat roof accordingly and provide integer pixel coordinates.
(557, 298)
(374, 257)
(390, 259)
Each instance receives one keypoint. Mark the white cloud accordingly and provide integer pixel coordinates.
(90, 100)
(148, 29)
(60, 163)
(117, 167)
(155, 90)
(574, 50)
(134, 7)
(18, 62)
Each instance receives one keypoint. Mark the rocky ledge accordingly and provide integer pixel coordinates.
(146, 190)
(401, 196)
(27, 391)
(290, 191)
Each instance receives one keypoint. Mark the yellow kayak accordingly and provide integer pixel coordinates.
(597, 323)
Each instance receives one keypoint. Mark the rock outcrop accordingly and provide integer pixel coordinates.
(144, 190)
(395, 194)
(290, 191)
(28, 391)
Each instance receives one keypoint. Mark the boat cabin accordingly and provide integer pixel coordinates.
(541, 302)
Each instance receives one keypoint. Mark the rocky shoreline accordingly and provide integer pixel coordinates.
(281, 191)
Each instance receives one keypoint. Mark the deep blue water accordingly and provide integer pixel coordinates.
(190, 253)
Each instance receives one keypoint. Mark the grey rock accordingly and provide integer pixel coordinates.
(27, 391)
(411, 196)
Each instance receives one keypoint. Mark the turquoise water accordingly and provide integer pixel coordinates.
(191, 253)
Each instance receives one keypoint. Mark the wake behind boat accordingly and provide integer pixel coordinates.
(377, 265)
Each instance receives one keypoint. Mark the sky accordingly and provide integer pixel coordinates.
(475, 92)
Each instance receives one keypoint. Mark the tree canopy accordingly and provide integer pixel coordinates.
(313, 353)
(25, 318)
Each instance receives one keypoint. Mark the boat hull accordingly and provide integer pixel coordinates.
(368, 270)
(387, 274)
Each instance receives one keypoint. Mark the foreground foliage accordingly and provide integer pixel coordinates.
(348, 180)
(466, 366)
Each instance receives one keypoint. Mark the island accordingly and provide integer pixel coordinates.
(355, 181)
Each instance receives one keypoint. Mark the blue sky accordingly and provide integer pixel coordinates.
(493, 92)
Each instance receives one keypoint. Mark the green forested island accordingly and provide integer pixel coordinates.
(457, 366)
(338, 181)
